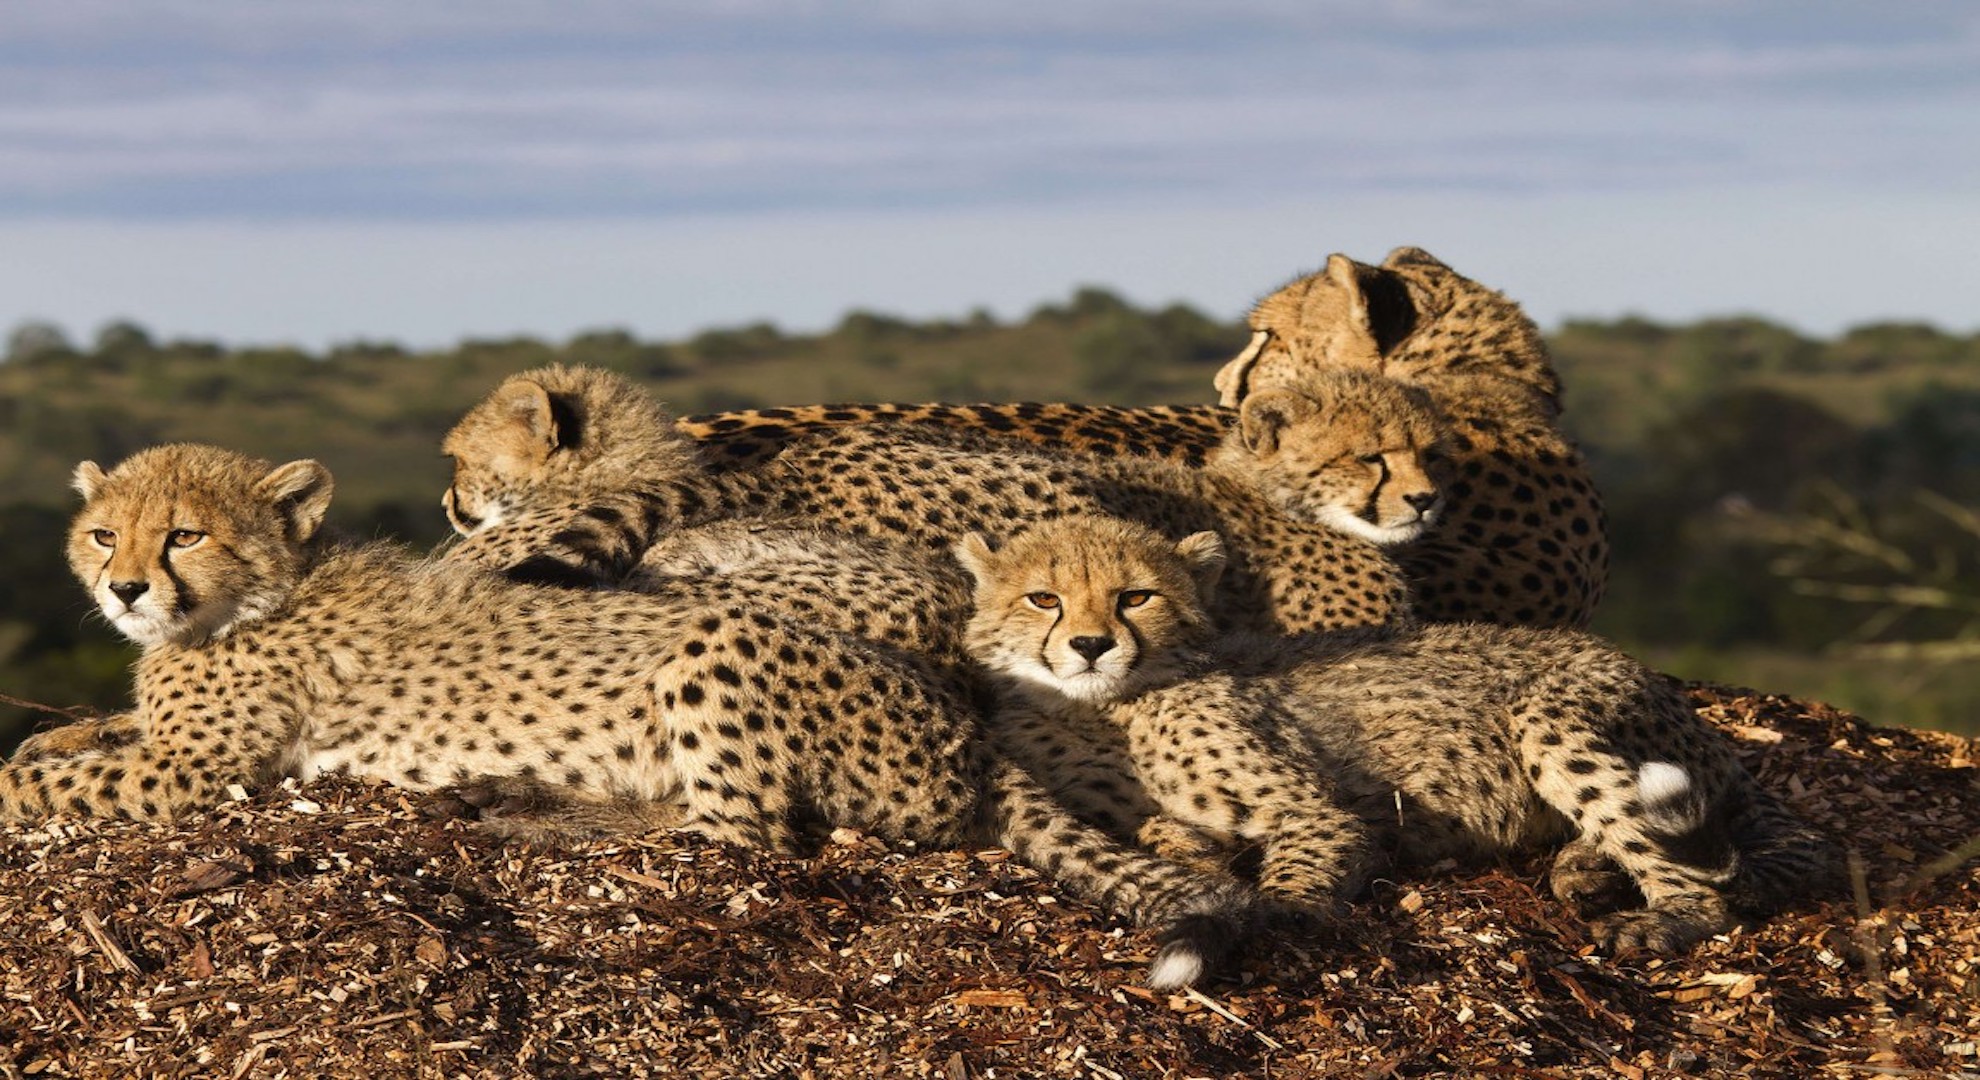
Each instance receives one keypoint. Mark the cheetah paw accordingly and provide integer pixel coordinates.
(1649, 930)
(1591, 883)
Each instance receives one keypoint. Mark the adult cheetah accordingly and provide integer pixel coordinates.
(1434, 742)
(268, 651)
(1524, 539)
(1303, 488)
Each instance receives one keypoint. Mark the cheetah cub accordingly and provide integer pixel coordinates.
(1091, 629)
(268, 651)
(1430, 743)
(1307, 487)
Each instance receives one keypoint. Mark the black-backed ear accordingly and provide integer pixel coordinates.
(1231, 377)
(300, 491)
(1204, 554)
(973, 551)
(1408, 255)
(541, 422)
(88, 479)
(1265, 415)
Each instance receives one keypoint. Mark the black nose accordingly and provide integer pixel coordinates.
(1423, 500)
(128, 591)
(1093, 648)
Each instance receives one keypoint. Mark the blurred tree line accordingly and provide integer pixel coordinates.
(1789, 513)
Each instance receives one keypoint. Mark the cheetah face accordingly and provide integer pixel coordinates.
(1358, 453)
(181, 543)
(477, 500)
(1088, 608)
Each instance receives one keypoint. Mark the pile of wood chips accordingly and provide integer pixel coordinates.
(336, 930)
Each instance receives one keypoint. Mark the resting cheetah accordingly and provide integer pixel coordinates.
(1524, 539)
(1440, 741)
(593, 485)
(267, 652)
(1524, 542)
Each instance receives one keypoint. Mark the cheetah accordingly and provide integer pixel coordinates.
(1303, 489)
(1524, 540)
(268, 650)
(1443, 741)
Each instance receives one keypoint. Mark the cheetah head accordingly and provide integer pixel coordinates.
(1348, 316)
(1409, 317)
(1089, 608)
(1354, 451)
(554, 435)
(181, 543)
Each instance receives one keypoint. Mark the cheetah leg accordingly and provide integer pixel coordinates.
(581, 548)
(1199, 917)
(89, 736)
(142, 780)
(526, 809)
(1180, 842)
(1646, 816)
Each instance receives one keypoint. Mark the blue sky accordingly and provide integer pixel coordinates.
(267, 170)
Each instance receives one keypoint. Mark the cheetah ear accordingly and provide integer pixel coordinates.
(1345, 274)
(1265, 416)
(89, 477)
(973, 552)
(1231, 377)
(1412, 256)
(1203, 553)
(300, 490)
(532, 417)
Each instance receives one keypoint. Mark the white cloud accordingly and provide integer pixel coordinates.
(295, 155)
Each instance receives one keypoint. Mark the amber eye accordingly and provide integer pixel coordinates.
(103, 537)
(1042, 600)
(184, 538)
(1136, 597)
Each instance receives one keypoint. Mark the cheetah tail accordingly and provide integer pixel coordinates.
(1782, 859)
(1200, 918)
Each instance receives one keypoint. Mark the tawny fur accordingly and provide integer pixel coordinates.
(1428, 743)
(606, 504)
(270, 652)
(1523, 540)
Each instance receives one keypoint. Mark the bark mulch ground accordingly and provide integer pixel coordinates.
(335, 930)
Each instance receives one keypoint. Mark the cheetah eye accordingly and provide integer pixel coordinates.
(184, 538)
(1043, 601)
(1136, 597)
(103, 537)
(1371, 459)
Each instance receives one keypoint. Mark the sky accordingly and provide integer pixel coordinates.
(273, 171)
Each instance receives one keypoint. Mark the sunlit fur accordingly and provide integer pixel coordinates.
(199, 540)
(1442, 741)
(1102, 594)
(559, 429)
(1366, 468)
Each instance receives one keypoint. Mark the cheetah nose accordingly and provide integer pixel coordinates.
(1423, 502)
(128, 591)
(1093, 648)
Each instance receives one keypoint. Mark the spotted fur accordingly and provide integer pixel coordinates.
(1524, 538)
(603, 499)
(1429, 743)
(271, 652)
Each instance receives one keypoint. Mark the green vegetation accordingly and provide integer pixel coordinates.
(1786, 511)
